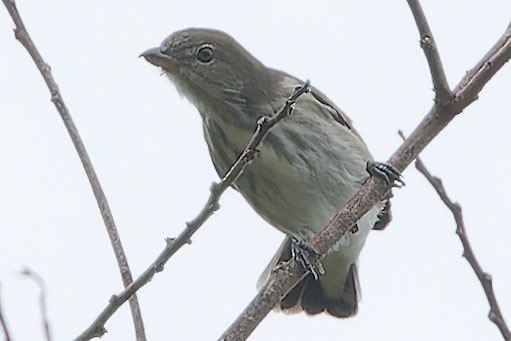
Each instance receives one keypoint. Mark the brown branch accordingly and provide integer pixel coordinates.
(3, 324)
(375, 189)
(264, 124)
(495, 314)
(23, 37)
(42, 300)
(428, 45)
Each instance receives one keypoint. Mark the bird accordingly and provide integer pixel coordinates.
(306, 170)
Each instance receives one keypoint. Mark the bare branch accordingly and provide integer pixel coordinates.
(442, 91)
(495, 314)
(264, 124)
(3, 324)
(42, 300)
(375, 189)
(23, 37)
(495, 58)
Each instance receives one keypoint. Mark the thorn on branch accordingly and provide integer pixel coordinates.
(426, 42)
(170, 240)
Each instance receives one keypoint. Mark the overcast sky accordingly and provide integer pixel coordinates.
(147, 146)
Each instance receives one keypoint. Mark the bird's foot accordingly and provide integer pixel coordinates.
(305, 254)
(388, 172)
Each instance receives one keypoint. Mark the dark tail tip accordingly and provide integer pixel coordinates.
(309, 297)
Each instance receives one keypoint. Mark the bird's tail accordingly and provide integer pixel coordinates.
(309, 295)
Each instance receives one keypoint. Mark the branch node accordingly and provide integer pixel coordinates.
(487, 277)
(262, 121)
(215, 187)
(159, 267)
(113, 299)
(249, 155)
(492, 316)
(188, 241)
(426, 42)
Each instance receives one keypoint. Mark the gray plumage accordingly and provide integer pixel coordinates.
(308, 167)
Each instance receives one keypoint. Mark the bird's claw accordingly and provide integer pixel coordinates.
(305, 255)
(388, 172)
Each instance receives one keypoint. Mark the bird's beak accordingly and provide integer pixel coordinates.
(158, 58)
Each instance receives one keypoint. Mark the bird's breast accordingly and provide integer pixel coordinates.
(297, 182)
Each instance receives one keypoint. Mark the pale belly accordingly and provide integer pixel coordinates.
(297, 183)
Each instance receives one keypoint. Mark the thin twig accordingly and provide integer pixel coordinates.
(42, 300)
(23, 37)
(264, 124)
(495, 315)
(375, 189)
(3, 324)
(427, 42)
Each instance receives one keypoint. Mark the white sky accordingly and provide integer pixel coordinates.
(146, 144)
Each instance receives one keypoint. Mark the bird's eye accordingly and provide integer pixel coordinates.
(205, 54)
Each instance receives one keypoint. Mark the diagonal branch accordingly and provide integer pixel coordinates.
(3, 324)
(23, 37)
(441, 87)
(375, 189)
(264, 124)
(495, 314)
